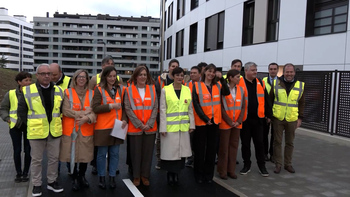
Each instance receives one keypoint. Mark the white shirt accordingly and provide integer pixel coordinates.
(142, 93)
(233, 91)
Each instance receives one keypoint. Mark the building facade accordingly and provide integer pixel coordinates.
(81, 42)
(312, 34)
(16, 42)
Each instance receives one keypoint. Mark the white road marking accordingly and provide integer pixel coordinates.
(132, 188)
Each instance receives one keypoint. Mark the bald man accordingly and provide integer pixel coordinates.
(58, 77)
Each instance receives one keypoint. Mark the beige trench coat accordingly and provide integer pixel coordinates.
(175, 145)
(84, 147)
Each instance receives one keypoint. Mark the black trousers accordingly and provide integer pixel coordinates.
(252, 129)
(267, 149)
(81, 171)
(16, 136)
(204, 146)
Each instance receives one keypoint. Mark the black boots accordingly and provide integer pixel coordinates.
(83, 182)
(102, 183)
(173, 178)
(112, 184)
(75, 184)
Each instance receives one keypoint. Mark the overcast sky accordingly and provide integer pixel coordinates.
(31, 8)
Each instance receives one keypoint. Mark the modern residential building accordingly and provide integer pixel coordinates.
(312, 34)
(81, 42)
(16, 41)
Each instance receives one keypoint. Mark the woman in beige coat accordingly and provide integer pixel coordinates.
(176, 123)
(77, 112)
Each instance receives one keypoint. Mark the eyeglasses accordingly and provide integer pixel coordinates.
(45, 74)
(81, 77)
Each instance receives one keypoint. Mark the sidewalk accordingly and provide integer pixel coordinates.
(321, 162)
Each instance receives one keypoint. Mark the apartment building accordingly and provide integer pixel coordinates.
(312, 34)
(16, 41)
(81, 42)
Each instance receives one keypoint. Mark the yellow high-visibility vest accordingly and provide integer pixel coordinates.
(177, 109)
(38, 127)
(65, 83)
(268, 86)
(13, 108)
(286, 107)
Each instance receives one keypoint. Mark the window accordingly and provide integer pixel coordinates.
(272, 20)
(170, 15)
(179, 43)
(194, 4)
(180, 9)
(248, 23)
(326, 17)
(193, 39)
(214, 32)
(168, 47)
(164, 20)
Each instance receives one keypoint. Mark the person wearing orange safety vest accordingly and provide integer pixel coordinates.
(95, 80)
(18, 129)
(206, 96)
(78, 117)
(258, 110)
(108, 104)
(233, 109)
(141, 106)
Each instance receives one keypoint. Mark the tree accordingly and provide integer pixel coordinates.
(3, 61)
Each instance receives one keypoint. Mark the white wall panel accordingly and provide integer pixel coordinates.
(291, 51)
(292, 19)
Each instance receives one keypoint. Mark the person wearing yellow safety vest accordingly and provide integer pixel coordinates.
(258, 111)
(273, 69)
(8, 112)
(78, 117)
(141, 107)
(108, 104)
(176, 124)
(287, 94)
(206, 97)
(40, 108)
(58, 77)
(233, 109)
(95, 80)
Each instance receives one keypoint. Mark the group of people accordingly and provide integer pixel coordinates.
(72, 120)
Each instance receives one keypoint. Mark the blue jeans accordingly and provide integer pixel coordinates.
(113, 161)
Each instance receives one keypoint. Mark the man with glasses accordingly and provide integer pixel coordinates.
(40, 108)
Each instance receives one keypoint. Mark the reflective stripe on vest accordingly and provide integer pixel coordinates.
(74, 101)
(142, 109)
(106, 120)
(286, 106)
(233, 107)
(210, 103)
(38, 126)
(13, 108)
(177, 109)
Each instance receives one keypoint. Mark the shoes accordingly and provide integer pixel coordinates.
(237, 162)
(170, 178)
(94, 170)
(117, 172)
(232, 175)
(199, 180)
(158, 165)
(210, 181)
(36, 191)
(245, 170)
(145, 181)
(18, 178)
(102, 183)
(136, 181)
(289, 169)
(263, 171)
(75, 185)
(176, 178)
(223, 176)
(83, 182)
(189, 164)
(277, 169)
(272, 159)
(267, 158)
(25, 177)
(112, 184)
(55, 187)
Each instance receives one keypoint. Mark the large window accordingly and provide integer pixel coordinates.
(326, 17)
(272, 20)
(248, 23)
(168, 47)
(170, 15)
(193, 39)
(194, 4)
(179, 43)
(180, 9)
(214, 32)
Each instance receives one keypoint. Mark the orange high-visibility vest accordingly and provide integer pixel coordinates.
(106, 120)
(210, 103)
(232, 107)
(190, 85)
(68, 123)
(142, 109)
(260, 93)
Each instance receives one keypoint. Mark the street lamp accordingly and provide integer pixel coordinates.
(99, 41)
